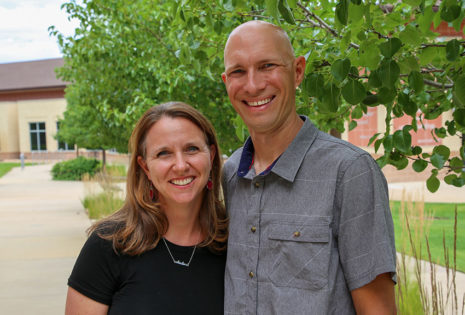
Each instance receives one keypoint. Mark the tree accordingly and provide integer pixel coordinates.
(359, 54)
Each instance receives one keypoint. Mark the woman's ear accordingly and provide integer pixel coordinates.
(212, 152)
(143, 166)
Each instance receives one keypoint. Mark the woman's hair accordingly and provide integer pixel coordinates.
(138, 226)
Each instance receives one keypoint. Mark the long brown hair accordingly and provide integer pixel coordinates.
(138, 226)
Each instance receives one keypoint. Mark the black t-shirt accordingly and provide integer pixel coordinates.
(150, 283)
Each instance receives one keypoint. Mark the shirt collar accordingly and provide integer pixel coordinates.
(287, 165)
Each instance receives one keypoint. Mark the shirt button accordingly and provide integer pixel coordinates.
(296, 234)
(253, 229)
(257, 184)
(251, 274)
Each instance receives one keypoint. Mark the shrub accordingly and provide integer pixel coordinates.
(75, 169)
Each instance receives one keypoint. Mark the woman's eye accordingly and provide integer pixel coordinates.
(192, 148)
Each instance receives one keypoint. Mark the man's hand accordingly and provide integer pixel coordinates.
(377, 297)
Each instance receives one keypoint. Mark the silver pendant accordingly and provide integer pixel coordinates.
(181, 263)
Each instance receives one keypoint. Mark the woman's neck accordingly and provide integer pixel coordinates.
(183, 225)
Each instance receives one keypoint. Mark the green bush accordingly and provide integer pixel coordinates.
(75, 169)
(102, 205)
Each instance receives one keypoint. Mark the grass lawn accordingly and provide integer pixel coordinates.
(433, 220)
(5, 167)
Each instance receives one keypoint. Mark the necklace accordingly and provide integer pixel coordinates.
(178, 262)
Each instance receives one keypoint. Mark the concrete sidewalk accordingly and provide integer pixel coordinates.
(417, 191)
(42, 229)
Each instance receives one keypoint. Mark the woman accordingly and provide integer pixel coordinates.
(163, 251)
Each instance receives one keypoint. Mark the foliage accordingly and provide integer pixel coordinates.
(436, 220)
(74, 169)
(5, 167)
(127, 55)
(102, 204)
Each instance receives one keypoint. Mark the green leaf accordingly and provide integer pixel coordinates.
(352, 125)
(451, 128)
(272, 9)
(286, 12)
(440, 132)
(443, 151)
(459, 90)
(356, 113)
(456, 164)
(415, 80)
(331, 97)
(449, 179)
(424, 20)
(432, 183)
(340, 69)
(386, 95)
(374, 80)
(402, 140)
(437, 160)
(413, 3)
(369, 54)
(373, 138)
(388, 143)
(389, 73)
(450, 13)
(353, 92)
(378, 144)
(419, 165)
(427, 55)
(342, 11)
(410, 35)
(356, 2)
(408, 106)
(371, 100)
(390, 47)
(314, 84)
(416, 150)
(459, 116)
(452, 49)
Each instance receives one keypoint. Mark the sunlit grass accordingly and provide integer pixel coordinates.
(5, 167)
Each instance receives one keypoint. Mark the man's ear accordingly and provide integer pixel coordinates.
(299, 70)
(143, 166)
(223, 76)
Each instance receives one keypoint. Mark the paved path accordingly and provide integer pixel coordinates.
(417, 191)
(42, 229)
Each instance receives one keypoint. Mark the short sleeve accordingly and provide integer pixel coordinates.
(365, 233)
(96, 271)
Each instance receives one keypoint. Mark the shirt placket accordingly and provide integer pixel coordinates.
(254, 231)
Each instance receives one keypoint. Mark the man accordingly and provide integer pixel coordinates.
(310, 226)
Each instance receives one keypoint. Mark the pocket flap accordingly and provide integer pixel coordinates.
(318, 233)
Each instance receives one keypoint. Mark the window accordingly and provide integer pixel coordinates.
(37, 132)
(63, 145)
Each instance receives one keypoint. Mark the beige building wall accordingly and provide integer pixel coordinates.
(9, 140)
(43, 110)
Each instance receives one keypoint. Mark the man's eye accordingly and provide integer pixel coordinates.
(162, 153)
(268, 65)
(237, 71)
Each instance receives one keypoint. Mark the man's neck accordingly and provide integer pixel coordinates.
(268, 146)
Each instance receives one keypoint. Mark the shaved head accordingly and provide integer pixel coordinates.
(264, 29)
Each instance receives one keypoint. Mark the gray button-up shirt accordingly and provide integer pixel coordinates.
(315, 227)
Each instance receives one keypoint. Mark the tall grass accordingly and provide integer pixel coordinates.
(103, 194)
(419, 289)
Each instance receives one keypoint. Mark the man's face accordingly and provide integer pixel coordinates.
(261, 75)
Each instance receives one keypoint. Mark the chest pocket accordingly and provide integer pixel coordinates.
(303, 255)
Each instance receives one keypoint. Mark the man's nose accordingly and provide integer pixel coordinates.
(255, 82)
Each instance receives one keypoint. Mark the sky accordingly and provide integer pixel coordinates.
(23, 29)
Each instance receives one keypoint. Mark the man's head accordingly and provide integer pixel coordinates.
(261, 75)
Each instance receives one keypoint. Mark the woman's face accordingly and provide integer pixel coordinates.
(178, 161)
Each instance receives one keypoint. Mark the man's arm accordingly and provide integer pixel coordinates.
(377, 297)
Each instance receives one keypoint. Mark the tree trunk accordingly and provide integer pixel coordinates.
(104, 159)
(335, 133)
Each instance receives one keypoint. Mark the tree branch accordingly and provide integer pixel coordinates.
(309, 15)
